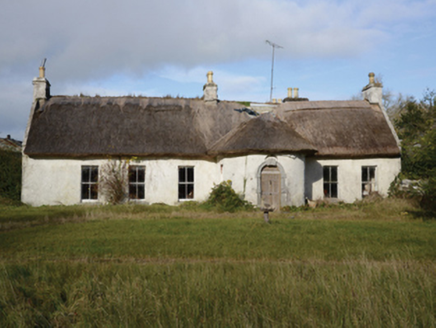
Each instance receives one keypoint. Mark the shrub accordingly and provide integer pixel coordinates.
(428, 201)
(10, 175)
(114, 181)
(224, 198)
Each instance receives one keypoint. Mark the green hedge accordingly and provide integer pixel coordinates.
(10, 175)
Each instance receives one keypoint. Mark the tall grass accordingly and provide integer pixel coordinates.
(312, 294)
(370, 265)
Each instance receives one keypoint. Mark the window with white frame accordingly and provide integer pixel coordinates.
(89, 183)
(330, 176)
(186, 182)
(137, 182)
(369, 183)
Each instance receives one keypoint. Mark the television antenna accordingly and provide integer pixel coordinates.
(274, 46)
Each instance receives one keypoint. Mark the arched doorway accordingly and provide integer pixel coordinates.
(271, 187)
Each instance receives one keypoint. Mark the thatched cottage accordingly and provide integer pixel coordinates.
(178, 149)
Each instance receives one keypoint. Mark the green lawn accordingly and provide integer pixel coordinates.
(364, 265)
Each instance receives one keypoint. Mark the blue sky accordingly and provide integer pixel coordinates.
(156, 48)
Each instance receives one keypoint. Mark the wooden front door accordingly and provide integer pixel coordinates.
(271, 187)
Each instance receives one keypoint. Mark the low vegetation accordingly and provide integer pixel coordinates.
(365, 264)
(10, 176)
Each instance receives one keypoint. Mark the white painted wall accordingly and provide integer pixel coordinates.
(58, 181)
(349, 176)
(244, 173)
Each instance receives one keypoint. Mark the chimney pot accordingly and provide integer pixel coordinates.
(210, 77)
(295, 92)
(42, 71)
(289, 92)
(371, 78)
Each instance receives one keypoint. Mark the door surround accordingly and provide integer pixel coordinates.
(272, 161)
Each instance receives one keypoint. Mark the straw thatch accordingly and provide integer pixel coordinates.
(264, 135)
(351, 129)
(168, 127)
(128, 126)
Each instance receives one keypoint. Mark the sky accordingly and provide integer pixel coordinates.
(166, 47)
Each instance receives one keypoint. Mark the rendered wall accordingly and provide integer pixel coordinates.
(349, 176)
(58, 181)
(244, 172)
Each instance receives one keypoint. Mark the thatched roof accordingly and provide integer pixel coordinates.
(265, 135)
(343, 128)
(128, 126)
(10, 144)
(158, 127)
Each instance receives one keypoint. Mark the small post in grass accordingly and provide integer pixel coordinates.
(266, 211)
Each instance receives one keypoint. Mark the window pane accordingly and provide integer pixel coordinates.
(364, 174)
(182, 174)
(85, 173)
(326, 190)
(190, 188)
(334, 190)
(182, 191)
(132, 173)
(141, 174)
(85, 191)
(94, 191)
(190, 174)
(372, 173)
(334, 174)
(326, 174)
(132, 191)
(141, 192)
(94, 173)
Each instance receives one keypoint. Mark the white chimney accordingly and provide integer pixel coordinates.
(210, 89)
(295, 93)
(373, 91)
(41, 86)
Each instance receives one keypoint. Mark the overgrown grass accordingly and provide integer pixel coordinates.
(367, 264)
(313, 294)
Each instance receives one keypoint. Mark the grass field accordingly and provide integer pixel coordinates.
(362, 265)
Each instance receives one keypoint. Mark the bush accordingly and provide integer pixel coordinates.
(428, 201)
(224, 198)
(114, 181)
(10, 175)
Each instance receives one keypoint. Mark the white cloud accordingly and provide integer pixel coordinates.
(87, 41)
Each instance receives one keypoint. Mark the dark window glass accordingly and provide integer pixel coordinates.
(136, 182)
(326, 174)
(85, 191)
(182, 174)
(186, 182)
(330, 175)
(89, 182)
(190, 174)
(334, 174)
(368, 180)
(364, 174)
(334, 190)
(141, 174)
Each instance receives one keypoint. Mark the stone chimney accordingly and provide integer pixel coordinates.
(210, 89)
(41, 86)
(373, 91)
(294, 96)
